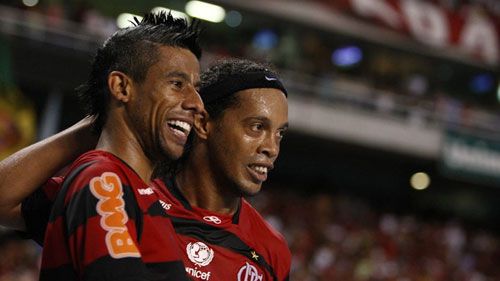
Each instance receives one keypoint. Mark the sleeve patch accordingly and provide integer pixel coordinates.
(111, 207)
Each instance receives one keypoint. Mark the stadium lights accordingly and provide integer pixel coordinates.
(347, 56)
(233, 18)
(498, 91)
(205, 11)
(482, 83)
(175, 14)
(265, 39)
(125, 20)
(30, 3)
(420, 181)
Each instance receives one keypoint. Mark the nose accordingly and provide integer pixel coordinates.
(193, 102)
(270, 146)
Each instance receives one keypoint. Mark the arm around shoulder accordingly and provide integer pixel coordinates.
(26, 170)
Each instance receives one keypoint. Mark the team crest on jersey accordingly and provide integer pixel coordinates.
(249, 272)
(199, 253)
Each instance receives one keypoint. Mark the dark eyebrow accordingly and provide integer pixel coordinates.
(266, 120)
(178, 74)
(259, 118)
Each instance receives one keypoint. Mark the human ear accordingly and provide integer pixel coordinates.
(201, 125)
(119, 86)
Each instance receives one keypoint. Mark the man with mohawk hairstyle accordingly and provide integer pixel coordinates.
(106, 222)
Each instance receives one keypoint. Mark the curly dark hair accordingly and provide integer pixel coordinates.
(132, 51)
(221, 70)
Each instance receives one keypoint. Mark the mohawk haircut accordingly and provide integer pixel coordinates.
(133, 51)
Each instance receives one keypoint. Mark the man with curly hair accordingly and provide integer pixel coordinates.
(228, 159)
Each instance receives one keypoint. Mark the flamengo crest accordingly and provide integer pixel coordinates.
(249, 272)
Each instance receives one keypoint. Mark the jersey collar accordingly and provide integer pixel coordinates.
(171, 184)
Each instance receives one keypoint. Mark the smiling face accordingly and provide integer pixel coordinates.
(245, 141)
(163, 106)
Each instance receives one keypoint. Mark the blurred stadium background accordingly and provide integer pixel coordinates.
(391, 169)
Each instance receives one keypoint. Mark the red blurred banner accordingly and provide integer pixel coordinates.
(472, 26)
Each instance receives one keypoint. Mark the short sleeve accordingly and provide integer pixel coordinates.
(35, 209)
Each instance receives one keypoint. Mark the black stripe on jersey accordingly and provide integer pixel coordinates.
(138, 216)
(132, 269)
(35, 210)
(58, 208)
(63, 272)
(108, 268)
(173, 270)
(220, 237)
(156, 209)
(76, 215)
(236, 216)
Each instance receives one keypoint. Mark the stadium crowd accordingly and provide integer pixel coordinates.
(19, 258)
(342, 238)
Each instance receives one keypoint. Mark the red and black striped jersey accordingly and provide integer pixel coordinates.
(107, 224)
(240, 247)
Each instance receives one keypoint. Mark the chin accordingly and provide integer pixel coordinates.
(250, 189)
(172, 151)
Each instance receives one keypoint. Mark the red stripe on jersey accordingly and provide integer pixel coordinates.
(104, 207)
(149, 241)
(54, 243)
(52, 186)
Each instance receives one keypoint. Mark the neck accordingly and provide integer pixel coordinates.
(118, 139)
(203, 188)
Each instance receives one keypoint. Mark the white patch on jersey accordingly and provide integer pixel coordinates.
(203, 275)
(145, 191)
(212, 219)
(199, 253)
